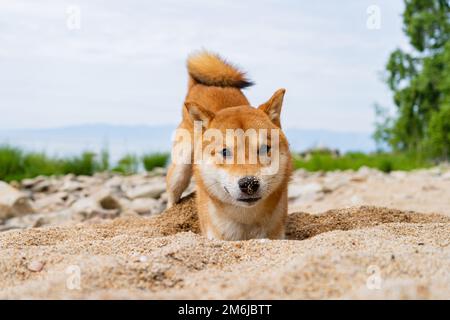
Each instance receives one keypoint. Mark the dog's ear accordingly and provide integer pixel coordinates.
(273, 107)
(199, 113)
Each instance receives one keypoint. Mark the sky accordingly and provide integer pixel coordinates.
(75, 62)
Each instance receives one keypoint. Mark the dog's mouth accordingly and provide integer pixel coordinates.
(249, 200)
(246, 200)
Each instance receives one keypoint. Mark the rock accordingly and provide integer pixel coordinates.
(145, 205)
(35, 266)
(125, 202)
(87, 208)
(106, 200)
(85, 179)
(29, 183)
(39, 220)
(146, 191)
(109, 203)
(398, 174)
(162, 205)
(104, 175)
(51, 202)
(164, 196)
(362, 174)
(300, 174)
(301, 193)
(114, 182)
(158, 171)
(436, 171)
(4, 227)
(71, 200)
(42, 186)
(131, 182)
(15, 184)
(13, 202)
(429, 187)
(446, 175)
(107, 214)
(85, 205)
(69, 177)
(334, 182)
(365, 171)
(304, 191)
(358, 178)
(355, 200)
(71, 186)
(129, 213)
(143, 259)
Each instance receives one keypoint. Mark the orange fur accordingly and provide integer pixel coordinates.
(210, 69)
(214, 97)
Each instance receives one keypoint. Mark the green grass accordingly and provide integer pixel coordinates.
(16, 164)
(385, 162)
(155, 160)
(128, 164)
(10, 163)
(85, 164)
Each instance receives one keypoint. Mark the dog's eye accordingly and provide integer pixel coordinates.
(226, 153)
(264, 149)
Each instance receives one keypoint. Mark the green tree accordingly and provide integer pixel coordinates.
(420, 81)
(439, 133)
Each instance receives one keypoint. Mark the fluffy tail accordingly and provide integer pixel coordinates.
(211, 70)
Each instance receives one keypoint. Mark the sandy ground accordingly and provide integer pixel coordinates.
(361, 252)
(368, 250)
(426, 191)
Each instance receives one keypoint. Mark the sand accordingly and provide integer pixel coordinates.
(425, 191)
(354, 253)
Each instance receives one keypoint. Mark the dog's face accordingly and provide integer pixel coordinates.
(245, 155)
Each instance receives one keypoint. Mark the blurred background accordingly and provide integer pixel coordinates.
(97, 85)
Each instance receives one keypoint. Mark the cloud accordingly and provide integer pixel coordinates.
(126, 63)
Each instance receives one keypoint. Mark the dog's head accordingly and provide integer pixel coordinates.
(241, 154)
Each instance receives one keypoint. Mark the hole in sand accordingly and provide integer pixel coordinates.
(300, 226)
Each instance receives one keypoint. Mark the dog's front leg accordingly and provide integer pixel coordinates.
(178, 178)
(180, 170)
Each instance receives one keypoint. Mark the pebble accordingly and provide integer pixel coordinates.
(35, 266)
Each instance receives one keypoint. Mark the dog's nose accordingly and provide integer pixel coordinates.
(249, 184)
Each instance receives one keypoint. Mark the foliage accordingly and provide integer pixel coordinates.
(16, 164)
(420, 81)
(155, 160)
(128, 164)
(385, 162)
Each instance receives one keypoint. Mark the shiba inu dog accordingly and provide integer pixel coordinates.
(241, 180)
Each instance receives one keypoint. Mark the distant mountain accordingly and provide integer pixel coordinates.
(301, 139)
(120, 140)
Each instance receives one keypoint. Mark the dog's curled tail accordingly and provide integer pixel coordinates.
(210, 69)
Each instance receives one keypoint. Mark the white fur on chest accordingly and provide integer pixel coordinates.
(238, 223)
